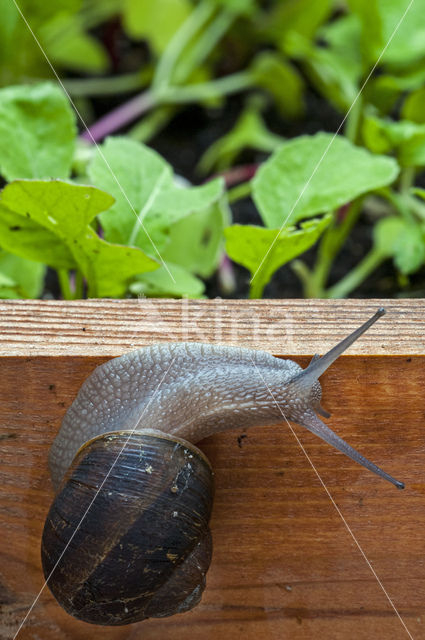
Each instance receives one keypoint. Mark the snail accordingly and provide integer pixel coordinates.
(127, 535)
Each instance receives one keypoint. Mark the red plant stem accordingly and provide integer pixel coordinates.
(226, 275)
(119, 117)
(342, 212)
(243, 173)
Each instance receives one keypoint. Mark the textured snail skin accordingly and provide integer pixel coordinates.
(189, 390)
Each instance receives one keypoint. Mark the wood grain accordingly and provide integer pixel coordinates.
(284, 564)
(283, 327)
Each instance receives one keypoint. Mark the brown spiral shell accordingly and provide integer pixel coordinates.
(144, 545)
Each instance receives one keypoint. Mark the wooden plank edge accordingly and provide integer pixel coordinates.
(109, 328)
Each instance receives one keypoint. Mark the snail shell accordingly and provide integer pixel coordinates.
(152, 511)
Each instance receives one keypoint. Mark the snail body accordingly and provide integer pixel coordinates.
(127, 535)
(189, 390)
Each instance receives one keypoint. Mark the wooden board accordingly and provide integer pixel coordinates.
(284, 564)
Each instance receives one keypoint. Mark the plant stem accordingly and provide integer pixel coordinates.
(304, 274)
(79, 286)
(87, 18)
(417, 207)
(330, 245)
(400, 201)
(407, 179)
(352, 124)
(194, 23)
(226, 276)
(357, 275)
(107, 86)
(203, 47)
(240, 173)
(240, 191)
(63, 277)
(153, 122)
(256, 288)
(145, 101)
(174, 62)
(119, 117)
(207, 90)
(94, 12)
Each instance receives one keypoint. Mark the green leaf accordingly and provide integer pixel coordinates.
(419, 192)
(314, 174)
(408, 44)
(63, 208)
(37, 132)
(405, 139)
(334, 72)
(383, 22)
(75, 49)
(8, 288)
(155, 21)
(148, 200)
(24, 237)
(39, 11)
(343, 39)
(382, 92)
(196, 241)
(108, 267)
(20, 278)
(334, 69)
(263, 251)
(402, 240)
(333, 77)
(8, 23)
(296, 16)
(158, 284)
(249, 132)
(242, 7)
(20, 55)
(370, 17)
(281, 79)
(50, 221)
(414, 106)
(410, 249)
